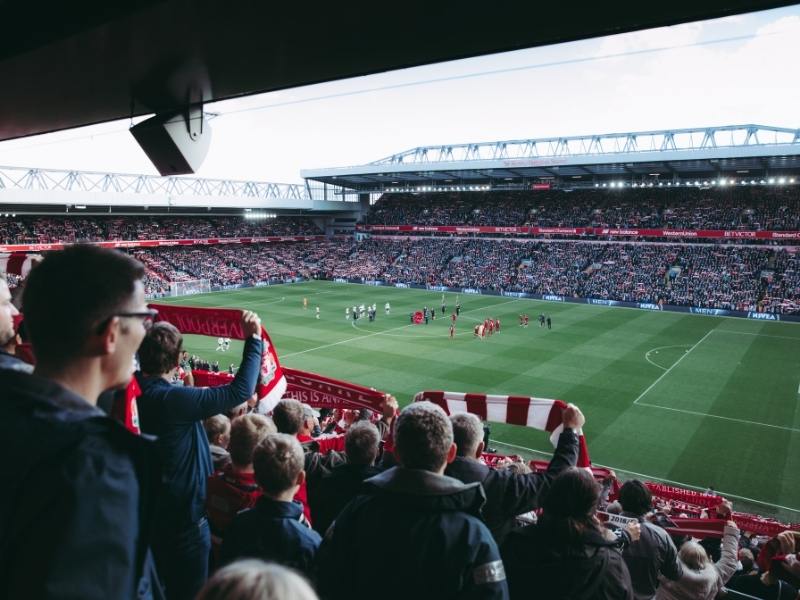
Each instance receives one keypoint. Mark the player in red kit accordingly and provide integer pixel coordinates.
(497, 325)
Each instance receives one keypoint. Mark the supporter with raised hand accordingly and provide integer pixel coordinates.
(77, 504)
(344, 481)
(274, 529)
(568, 554)
(509, 494)
(655, 552)
(701, 578)
(413, 515)
(175, 415)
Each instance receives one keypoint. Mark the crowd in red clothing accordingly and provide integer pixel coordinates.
(754, 208)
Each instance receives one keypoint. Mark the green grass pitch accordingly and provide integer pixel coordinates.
(681, 398)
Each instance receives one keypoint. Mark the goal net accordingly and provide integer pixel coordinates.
(187, 288)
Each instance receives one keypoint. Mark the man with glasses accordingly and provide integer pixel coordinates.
(77, 502)
(175, 414)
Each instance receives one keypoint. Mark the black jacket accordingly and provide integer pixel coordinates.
(415, 535)
(538, 566)
(335, 490)
(272, 531)
(653, 553)
(509, 494)
(77, 501)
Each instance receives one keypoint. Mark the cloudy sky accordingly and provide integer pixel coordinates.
(727, 71)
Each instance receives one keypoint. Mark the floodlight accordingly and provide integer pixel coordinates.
(782, 180)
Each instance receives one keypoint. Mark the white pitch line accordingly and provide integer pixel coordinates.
(647, 354)
(361, 337)
(675, 364)
(702, 414)
(768, 335)
(644, 476)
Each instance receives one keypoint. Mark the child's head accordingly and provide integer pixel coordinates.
(278, 464)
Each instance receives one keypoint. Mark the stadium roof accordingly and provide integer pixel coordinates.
(67, 64)
(736, 151)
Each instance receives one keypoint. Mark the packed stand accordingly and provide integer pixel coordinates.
(776, 209)
(709, 276)
(72, 229)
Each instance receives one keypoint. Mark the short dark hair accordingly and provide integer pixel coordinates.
(361, 443)
(467, 433)
(70, 293)
(635, 498)
(277, 460)
(289, 416)
(160, 349)
(423, 436)
(246, 432)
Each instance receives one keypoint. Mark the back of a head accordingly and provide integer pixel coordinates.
(423, 436)
(635, 498)
(216, 426)
(361, 443)
(247, 432)
(256, 580)
(570, 504)
(69, 295)
(277, 461)
(467, 433)
(161, 349)
(288, 416)
(694, 556)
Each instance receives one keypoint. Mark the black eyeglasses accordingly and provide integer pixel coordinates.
(147, 317)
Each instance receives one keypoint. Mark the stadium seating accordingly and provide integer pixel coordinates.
(760, 208)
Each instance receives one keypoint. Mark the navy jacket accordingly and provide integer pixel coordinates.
(509, 494)
(427, 524)
(272, 531)
(175, 415)
(335, 490)
(76, 508)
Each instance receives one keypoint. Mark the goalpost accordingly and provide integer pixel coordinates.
(187, 288)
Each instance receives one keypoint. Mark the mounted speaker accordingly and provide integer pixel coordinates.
(176, 143)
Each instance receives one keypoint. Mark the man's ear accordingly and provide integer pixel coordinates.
(301, 478)
(451, 453)
(479, 450)
(105, 341)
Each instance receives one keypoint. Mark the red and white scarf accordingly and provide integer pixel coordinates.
(537, 413)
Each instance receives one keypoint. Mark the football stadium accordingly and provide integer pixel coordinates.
(564, 366)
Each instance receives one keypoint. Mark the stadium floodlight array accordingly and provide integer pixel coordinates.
(722, 182)
(441, 188)
(187, 288)
(259, 215)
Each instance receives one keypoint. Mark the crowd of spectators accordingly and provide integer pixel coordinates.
(71, 229)
(709, 276)
(651, 208)
(409, 509)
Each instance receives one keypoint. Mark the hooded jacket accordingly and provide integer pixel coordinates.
(415, 535)
(539, 566)
(77, 501)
